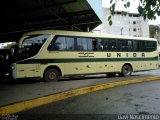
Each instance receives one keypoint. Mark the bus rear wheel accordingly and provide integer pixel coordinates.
(126, 70)
(51, 75)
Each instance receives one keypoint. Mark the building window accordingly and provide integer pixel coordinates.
(134, 29)
(134, 22)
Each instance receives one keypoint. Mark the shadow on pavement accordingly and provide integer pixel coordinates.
(9, 81)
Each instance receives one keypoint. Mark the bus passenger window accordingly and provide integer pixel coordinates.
(112, 45)
(134, 46)
(124, 45)
(100, 45)
(94, 44)
(151, 46)
(105, 44)
(69, 43)
(81, 44)
(62, 43)
(119, 45)
(130, 45)
(90, 44)
(59, 44)
(140, 46)
(84, 44)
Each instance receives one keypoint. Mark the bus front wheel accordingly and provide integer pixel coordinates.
(126, 70)
(51, 75)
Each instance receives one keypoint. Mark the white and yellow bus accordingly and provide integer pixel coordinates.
(50, 54)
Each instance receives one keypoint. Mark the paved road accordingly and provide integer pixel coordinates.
(141, 98)
(11, 93)
(25, 90)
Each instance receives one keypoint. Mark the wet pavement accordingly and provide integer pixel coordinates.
(29, 89)
(137, 98)
(141, 98)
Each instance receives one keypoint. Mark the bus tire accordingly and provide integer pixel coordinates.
(126, 70)
(51, 75)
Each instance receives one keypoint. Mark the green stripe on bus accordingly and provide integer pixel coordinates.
(75, 60)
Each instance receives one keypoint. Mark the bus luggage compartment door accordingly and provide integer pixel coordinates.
(28, 70)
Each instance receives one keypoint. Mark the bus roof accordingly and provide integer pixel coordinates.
(86, 34)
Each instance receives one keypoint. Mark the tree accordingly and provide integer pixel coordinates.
(153, 29)
(147, 8)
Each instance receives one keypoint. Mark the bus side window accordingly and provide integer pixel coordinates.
(119, 45)
(90, 44)
(70, 43)
(134, 46)
(94, 44)
(124, 45)
(106, 44)
(59, 43)
(100, 46)
(140, 46)
(112, 45)
(130, 45)
(84, 44)
(62, 43)
(151, 46)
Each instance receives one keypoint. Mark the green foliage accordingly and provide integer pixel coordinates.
(110, 22)
(153, 29)
(147, 8)
(128, 4)
(123, 13)
(80, 1)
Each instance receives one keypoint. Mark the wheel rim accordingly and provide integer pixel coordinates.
(52, 76)
(127, 71)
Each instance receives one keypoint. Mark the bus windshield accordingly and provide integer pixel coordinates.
(31, 45)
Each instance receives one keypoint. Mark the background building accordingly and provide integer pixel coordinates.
(132, 24)
(154, 31)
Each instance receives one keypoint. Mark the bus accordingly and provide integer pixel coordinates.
(51, 54)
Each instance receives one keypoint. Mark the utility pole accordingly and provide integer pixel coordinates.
(121, 30)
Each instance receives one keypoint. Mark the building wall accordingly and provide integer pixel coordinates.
(131, 25)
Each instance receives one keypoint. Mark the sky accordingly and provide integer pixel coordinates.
(132, 9)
